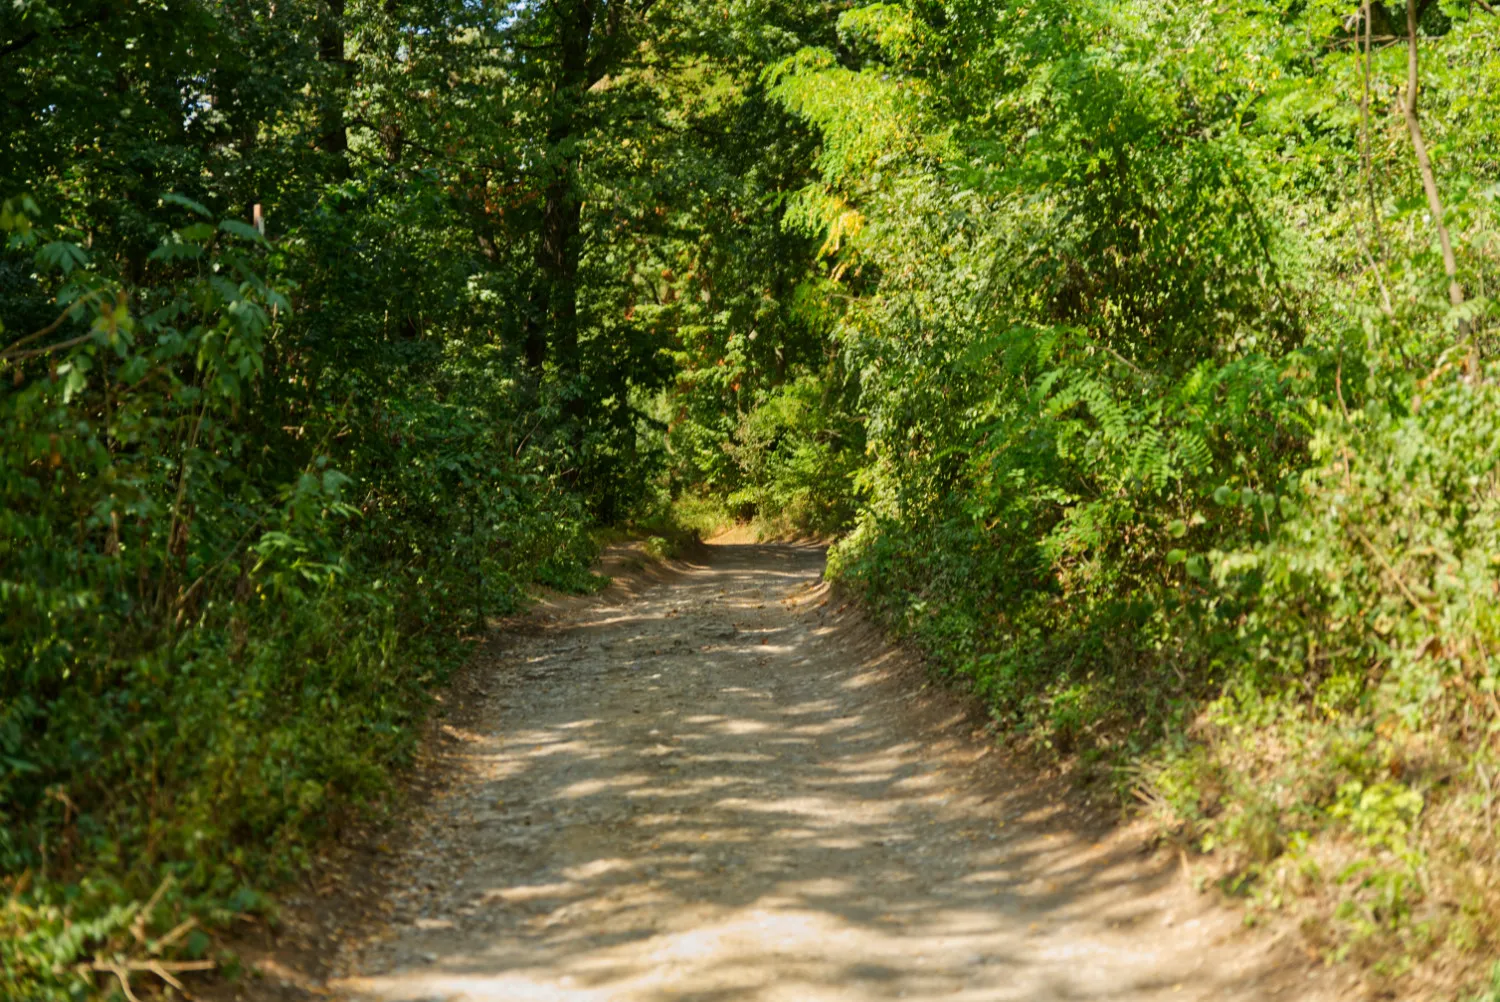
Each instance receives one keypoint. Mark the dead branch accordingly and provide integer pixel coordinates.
(164, 969)
(54, 325)
(15, 356)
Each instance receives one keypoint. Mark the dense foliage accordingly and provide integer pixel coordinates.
(1139, 353)
(328, 329)
(1172, 326)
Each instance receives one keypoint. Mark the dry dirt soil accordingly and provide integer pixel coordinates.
(721, 785)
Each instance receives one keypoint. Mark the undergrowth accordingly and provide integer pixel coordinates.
(1182, 461)
(224, 615)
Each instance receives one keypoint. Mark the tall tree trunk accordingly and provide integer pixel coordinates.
(587, 46)
(558, 250)
(333, 137)
(557, 256)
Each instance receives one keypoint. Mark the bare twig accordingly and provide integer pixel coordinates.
(1385, 294)
(1364, 128)
(1338, 385)
(161, 972)
(182, 485)
(526, 437)
(19, 885)
(1126, 362)
(164, 969)
(1427, 613)
(1484, 653)
(1424, 162)
(1384, 41)
(186, 596)
(138, 927)
(175, 966)
(54, 325)
(46, 350)
(122, 975)
(1489, 792)
(178, 931)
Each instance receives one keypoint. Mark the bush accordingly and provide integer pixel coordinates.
(217, 650)
(797, 454)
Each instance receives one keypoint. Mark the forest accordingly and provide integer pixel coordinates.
(1138, 359)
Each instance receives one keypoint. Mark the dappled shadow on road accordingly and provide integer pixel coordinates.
(719, 791)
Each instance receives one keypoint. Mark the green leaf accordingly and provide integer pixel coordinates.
(74, 382)
(172, 252)
(172, 198)
(242, 230)
(62, 255)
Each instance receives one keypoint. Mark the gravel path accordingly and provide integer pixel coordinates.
(726, 788)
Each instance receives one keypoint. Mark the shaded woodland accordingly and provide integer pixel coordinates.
(1139, 358)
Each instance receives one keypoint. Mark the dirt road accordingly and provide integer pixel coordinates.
(727, 788)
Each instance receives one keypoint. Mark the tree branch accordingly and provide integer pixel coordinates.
(54, 325)
(31, 36)
(15, 356)
(1364, 134)
(1424, 162)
